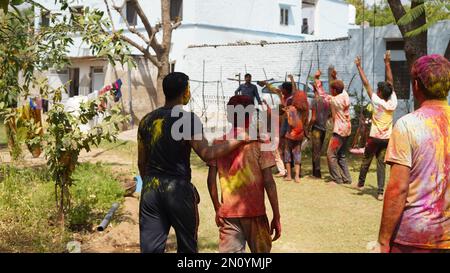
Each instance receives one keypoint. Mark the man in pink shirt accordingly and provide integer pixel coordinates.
(337, 148)
(244, 176)
(416, 211)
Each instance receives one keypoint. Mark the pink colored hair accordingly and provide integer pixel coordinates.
(433, 75)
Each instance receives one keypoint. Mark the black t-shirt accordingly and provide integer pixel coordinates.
(165, 135)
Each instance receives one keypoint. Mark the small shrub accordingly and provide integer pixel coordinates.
(95, 189)
(28, 217)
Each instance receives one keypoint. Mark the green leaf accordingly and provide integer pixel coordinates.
(412, 15)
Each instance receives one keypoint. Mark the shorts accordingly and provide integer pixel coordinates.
(292, 151)
(236, 232)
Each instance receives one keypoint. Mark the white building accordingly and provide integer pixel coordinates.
(277, 59)
(203, 22)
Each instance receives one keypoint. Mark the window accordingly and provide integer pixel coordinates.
(76, 12)
(395, 45)
(176, 10)
(59, 72)
(45, 19)
(284, 16)
(402, 79)
(97, 69)
(305, 26)
(131, 13)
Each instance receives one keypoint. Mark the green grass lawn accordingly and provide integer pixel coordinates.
(315, 215)
(28, 211)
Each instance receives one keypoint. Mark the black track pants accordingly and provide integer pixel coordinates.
(165, 203)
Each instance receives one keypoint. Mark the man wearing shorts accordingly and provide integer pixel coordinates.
(244, 175)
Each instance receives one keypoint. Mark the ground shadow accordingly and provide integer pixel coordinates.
(368, 189)
(110, 149)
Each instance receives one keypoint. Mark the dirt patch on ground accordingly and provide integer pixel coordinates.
(121, 237)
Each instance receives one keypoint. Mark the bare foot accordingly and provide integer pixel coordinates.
(280, 175)
(297, 180)
(360, 188)
(288, 178)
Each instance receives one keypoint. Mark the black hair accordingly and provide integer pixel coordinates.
(247, 75)
(174, 85)
(287, 86)
(386, 90)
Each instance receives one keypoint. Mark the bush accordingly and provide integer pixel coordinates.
(95, 189)
(28, 207)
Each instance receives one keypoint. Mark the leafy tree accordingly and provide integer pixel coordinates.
(64, 140)
(154, 50)
(377, 15)
(25, 53)
(435, 11)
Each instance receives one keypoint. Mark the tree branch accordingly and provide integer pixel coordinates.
(148, 27)
(176, 24)
(110, 16)
(144, 51)
(132, 29)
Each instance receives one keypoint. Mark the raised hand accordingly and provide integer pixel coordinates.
(358, 61)
(387, 56)
(317, 74)
(261, 83)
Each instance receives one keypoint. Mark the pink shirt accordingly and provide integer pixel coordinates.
(340, 107)
(420, 140)
(241, 179)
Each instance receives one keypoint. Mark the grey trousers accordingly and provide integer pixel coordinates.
(374, 147)
(337, 162)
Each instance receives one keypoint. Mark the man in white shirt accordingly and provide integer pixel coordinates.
(384, 103)
(340, 105)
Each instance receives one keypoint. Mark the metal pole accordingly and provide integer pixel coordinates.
(317, 52)
(130, 104)
(373, 45)
(300, 67)
(203, 94)
(265, 75)
(108, 217)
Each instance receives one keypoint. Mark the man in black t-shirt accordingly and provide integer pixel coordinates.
(168, 198)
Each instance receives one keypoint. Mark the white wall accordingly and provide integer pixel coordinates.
(224, 62)
(331, 19)
(208, 22)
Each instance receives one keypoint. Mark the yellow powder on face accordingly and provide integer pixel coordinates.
(156, 130)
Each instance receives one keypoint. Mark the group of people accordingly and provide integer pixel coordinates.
(296, 126)
(416, 216)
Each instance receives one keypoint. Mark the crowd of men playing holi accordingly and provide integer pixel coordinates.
(416, 211)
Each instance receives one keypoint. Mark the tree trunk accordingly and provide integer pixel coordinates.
(447, 51)
(415, 46)
(162, 72)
